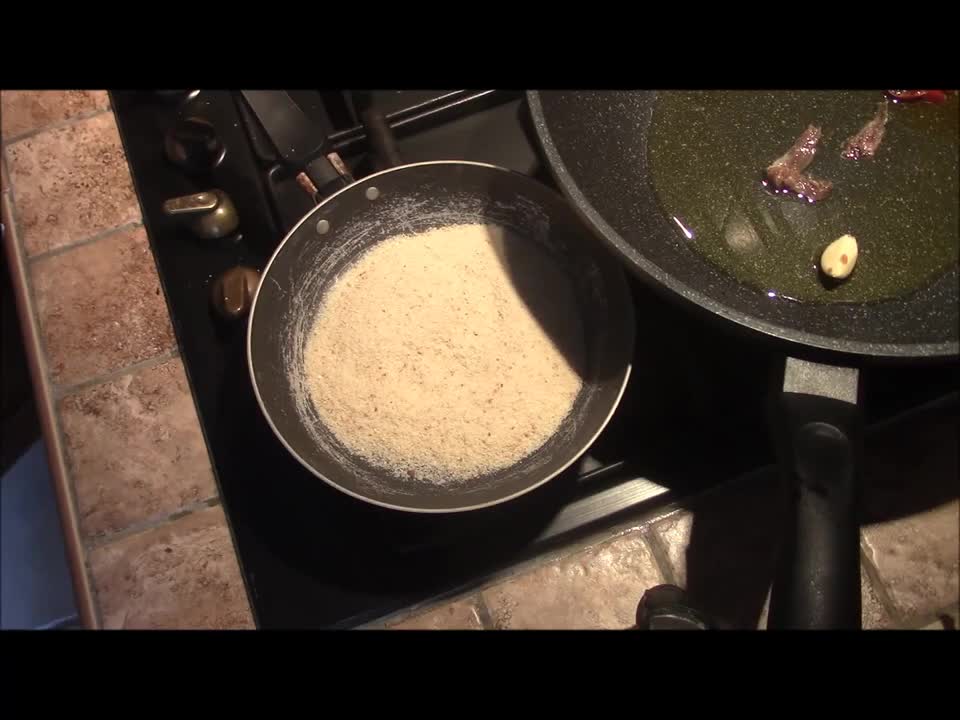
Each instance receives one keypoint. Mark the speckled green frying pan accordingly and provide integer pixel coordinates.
(631, 162)
(667, 179)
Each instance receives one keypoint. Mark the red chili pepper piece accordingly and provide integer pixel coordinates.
(934, 96)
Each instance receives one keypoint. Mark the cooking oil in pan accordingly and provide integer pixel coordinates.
(707, 154)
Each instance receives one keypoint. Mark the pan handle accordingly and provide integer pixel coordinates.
(818, 429)
(378, 131)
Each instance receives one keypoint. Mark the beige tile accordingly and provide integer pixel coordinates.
(100, 307)
(458, 615)
(71, 183)
(724, 552)
(3, 170)
(912, 530)
(135, 448)
(597, 588)
(734, 568)
(917, 559)
(182, 575)
(913, 467)
(909, 470)
(675, 531)
(24, 111)
(875, 616)
(945, 620)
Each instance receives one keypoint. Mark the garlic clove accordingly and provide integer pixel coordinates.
(840, 257)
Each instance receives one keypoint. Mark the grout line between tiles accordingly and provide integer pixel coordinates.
(87, 602)
(61, 392)
(50, 392)
(922, 621)
(951, 611)
(59, 125)
(151, 523)
(660, 555)
(73, 244)
(552, 554)
(87, 596)
(475, 586)
(878, 586)
(474, 598)
(483, 612)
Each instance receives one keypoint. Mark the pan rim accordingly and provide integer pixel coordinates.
(945, 350)
(391, 506)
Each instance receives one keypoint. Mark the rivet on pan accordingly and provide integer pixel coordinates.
(323, 226)
(372, 193)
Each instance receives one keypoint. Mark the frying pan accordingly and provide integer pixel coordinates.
(596, 146)
(409, 199)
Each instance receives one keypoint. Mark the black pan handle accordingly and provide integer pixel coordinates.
(818, 428)
(378, 131)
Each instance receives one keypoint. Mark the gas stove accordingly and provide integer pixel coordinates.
(693, 415)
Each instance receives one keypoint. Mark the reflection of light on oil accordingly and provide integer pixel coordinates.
(779, 296)
(687, 233)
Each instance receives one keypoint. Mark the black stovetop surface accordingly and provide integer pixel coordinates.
(692, 416)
